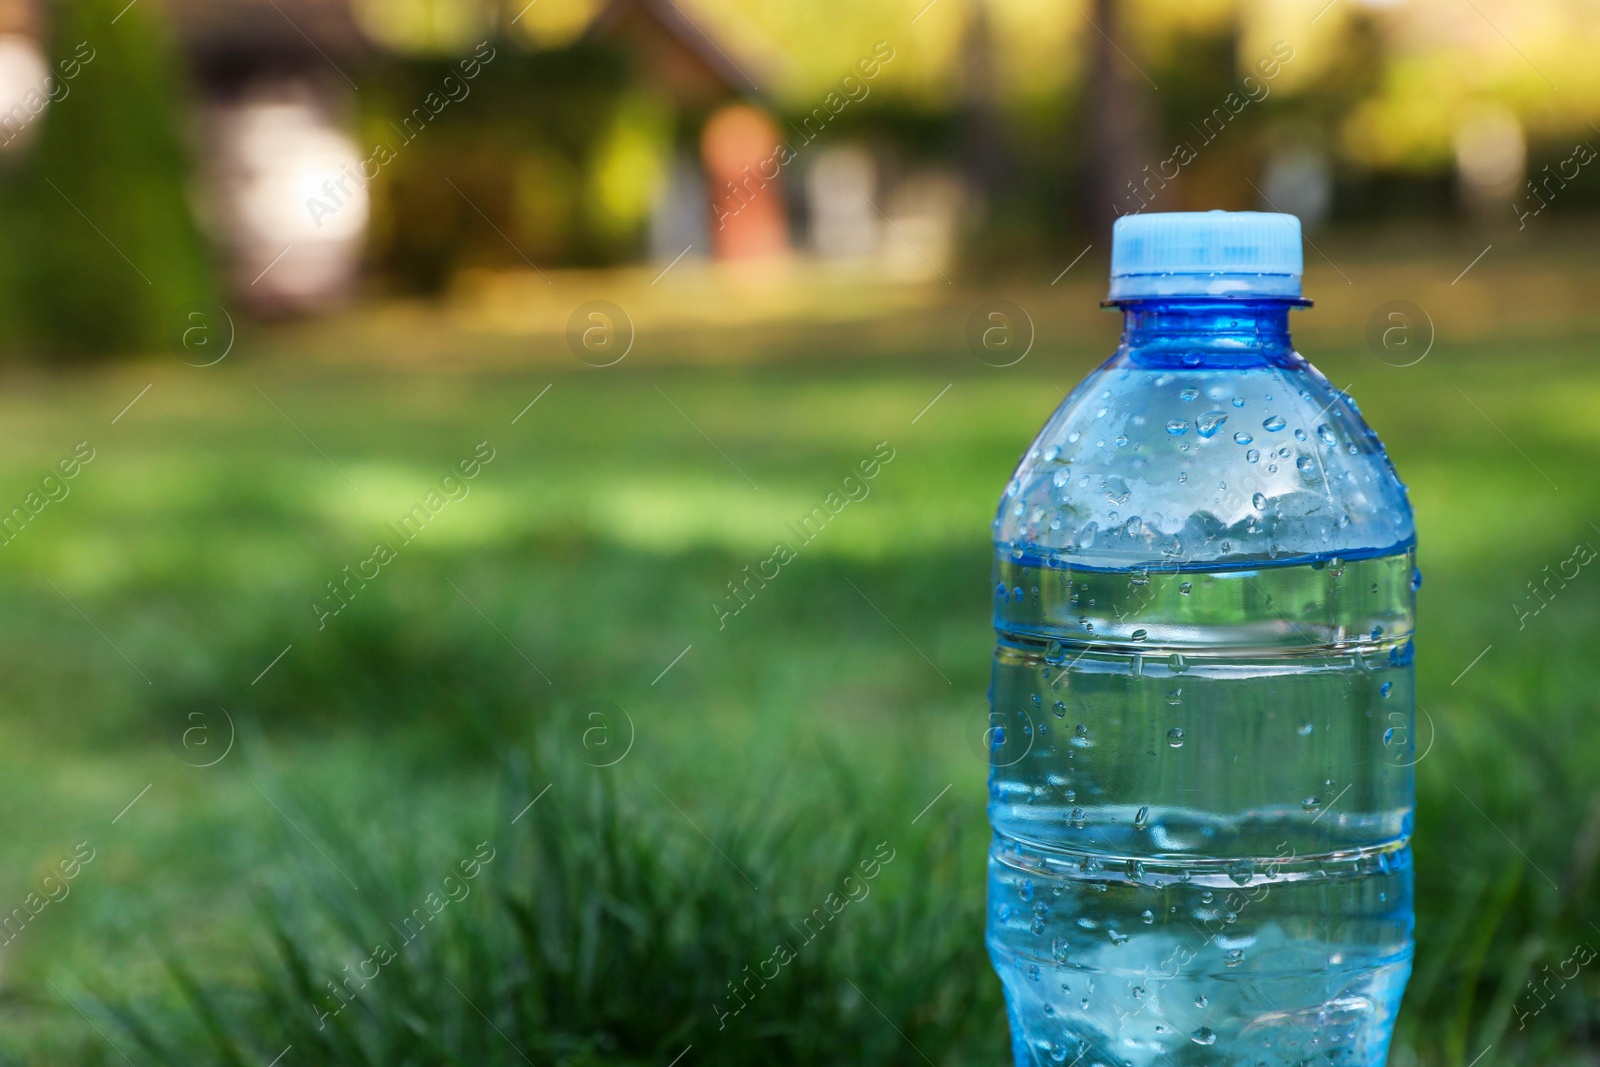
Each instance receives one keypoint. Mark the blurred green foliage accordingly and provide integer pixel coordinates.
(99, 250)
(528, 147)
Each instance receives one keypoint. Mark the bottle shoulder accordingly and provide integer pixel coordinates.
(1157, 464)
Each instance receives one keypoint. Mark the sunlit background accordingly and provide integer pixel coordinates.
(418, 147)
(275, 273)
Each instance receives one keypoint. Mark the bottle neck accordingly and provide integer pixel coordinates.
(1193, 332)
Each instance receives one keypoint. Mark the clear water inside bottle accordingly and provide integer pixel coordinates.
(1201, 798)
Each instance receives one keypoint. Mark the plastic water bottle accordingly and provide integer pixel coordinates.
(1202, 700)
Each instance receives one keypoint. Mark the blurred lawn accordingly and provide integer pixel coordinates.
(586, 559)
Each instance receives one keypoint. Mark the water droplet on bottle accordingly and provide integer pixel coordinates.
(1259, 501)
(1142, 818)
(1176, 663)
(1201, 1001)
(1122, 440)
(1242, 438)
(1060, 709)
(1209, 423)
(1273, 423)
(1077, 819)
(1139, 635)
(1175, 737)
(1325, 432)
(1205, 896)
(1058, 949)
(1234, 957)
(1177, 427)
(1148, 916)
(1305, 463)
(1311, 804)
(1189, 393)
(1304, 730)
(1184, 588)
(1241, 872)
(1238, 401)
(1253, 456)
(1203, 1036)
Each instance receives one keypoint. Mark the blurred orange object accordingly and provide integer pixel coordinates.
(740, 147)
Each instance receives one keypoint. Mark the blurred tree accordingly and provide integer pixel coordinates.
(1119, 127)
(542, 148)
(628, 166)
(100, 251)
(986, 157)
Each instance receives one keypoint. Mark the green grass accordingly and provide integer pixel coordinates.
(819, 721)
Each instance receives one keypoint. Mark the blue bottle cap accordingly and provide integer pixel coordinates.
(1229, 254)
